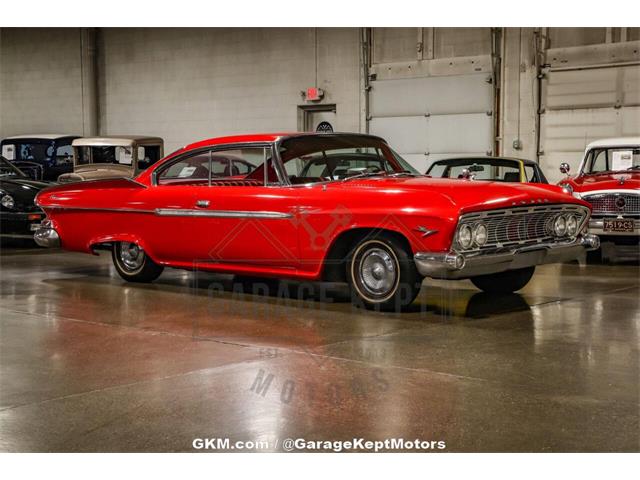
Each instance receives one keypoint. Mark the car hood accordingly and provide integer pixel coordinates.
(607, 181)
(23, 191)
(22, 186)
(465, 195)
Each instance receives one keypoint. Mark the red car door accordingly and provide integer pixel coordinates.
(235, 215)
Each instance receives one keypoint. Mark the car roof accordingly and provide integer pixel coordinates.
(115, 140)
(512, 159)
(614, 142)
(44, 136)
(267, 137)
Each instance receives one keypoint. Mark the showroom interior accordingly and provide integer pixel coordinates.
(89, 362)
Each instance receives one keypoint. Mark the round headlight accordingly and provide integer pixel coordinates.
(8, 202)
(465, 236)
(480, 234)
(560, 226)
(572, 225)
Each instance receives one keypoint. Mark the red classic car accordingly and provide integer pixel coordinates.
(609, 179)
(335, 207)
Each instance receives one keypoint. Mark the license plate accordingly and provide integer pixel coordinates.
(34, 226)
(617, 225)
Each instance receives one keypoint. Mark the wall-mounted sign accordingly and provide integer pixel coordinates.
(324, 127)
(314, 94)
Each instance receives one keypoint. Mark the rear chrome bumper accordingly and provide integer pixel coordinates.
(595, 227)
(46, 235)
(456, 266)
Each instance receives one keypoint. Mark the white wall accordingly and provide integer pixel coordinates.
(40, 81)
(189, 84)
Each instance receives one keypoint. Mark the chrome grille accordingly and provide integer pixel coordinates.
(607, 203)
(520, 226)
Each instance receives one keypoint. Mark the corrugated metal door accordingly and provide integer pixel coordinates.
(429, 118)
(579, 106)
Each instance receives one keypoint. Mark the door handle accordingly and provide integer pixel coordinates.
(202, 203)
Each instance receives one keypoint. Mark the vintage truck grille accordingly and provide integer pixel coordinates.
(521, 226)
(614, 204)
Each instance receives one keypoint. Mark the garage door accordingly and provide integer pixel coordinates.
(426, 119)
(580, 106)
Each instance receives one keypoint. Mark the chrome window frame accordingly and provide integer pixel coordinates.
(277, 162)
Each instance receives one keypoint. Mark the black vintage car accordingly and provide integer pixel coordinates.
(41, 156)
(497, 169)
(19, 215)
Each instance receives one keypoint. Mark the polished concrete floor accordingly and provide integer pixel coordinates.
(89, 363)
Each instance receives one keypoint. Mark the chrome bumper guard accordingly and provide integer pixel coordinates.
(46, 235)
(456, 266)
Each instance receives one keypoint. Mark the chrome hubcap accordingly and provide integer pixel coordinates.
(378, 271)
(131, 255)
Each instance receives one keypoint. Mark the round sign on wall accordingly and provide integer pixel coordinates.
(324, 127)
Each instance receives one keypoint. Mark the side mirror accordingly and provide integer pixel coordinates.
(564, 168)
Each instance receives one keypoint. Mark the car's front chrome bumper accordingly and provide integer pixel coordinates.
(455, 265)
(46, 235)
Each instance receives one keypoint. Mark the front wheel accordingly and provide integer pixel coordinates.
(504, 282)
(133, 264)
(382, 274)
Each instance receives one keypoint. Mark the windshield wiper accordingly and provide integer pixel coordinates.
(634, 167)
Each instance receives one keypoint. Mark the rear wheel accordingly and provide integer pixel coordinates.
(382, 274)
(133, 264)
(504, 282)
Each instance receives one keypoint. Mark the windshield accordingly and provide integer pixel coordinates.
(480, 169)
(618, 159)
(7, 169)
(321, 158)
(118, 155)
(39, 151)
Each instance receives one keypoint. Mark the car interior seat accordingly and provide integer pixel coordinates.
(512, 177)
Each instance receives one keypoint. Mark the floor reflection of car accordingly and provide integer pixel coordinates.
(609, 179)
(497, 169)
(40, 156)
(123, 156)
(19, 216)
(381, 230)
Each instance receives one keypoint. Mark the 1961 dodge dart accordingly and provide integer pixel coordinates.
(334, 207)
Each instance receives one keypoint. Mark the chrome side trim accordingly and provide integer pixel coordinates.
(426, 232)
(98, 209)
(612, 191)
(183, 212)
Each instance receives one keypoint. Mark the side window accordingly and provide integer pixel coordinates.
(190, 169)
(64, 155)
(147, 156)
(599, 161)
(530, 173)
(238, 167)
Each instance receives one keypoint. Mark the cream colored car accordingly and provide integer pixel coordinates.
(112, 157)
